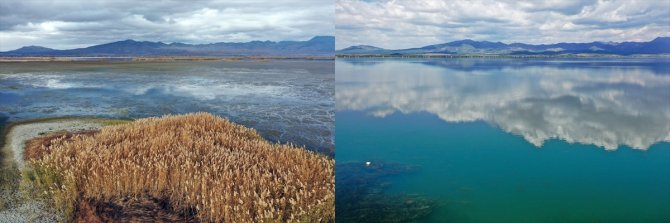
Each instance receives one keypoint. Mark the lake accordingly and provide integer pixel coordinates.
(503, 140)
(285, 100)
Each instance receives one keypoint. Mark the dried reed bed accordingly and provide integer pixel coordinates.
(223, 171)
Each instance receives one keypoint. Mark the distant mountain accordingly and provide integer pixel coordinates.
(317, 46)
(33, 49)
(659, 45)
(365, 49)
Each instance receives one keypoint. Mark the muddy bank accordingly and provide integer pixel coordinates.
(18, 134)
(16, 205)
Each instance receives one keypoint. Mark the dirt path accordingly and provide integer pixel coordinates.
(19, 134)
(14, 207)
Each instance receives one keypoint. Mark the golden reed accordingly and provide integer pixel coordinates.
(224, 171)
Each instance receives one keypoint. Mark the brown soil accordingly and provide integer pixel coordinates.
(143, 209)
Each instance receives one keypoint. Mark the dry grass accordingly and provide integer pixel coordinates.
(222, 171)
(34, 148)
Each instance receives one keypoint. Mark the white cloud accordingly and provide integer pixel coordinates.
(71, 24)
(405, 24)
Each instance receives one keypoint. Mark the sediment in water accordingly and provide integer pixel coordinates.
(361, 195)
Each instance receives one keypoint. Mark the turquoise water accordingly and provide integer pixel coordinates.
(510, 140)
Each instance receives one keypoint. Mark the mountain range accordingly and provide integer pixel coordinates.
(317, 46)
(660, 45)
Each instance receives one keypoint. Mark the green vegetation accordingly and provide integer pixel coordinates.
(107, 122)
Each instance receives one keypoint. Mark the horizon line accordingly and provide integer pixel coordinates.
(501, 42)
(135, 40)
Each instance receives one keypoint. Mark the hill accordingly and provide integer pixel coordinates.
(317, 46)
(660, 45)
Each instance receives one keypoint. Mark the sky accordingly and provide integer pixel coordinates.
(81, 23)
(415, 23)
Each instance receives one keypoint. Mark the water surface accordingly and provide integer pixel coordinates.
(510, 140)
(285, 100)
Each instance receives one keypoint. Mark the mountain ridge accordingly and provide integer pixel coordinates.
(659, 45)
(316, 46)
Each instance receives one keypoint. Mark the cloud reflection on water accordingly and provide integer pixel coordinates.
(601, 102)
(286, 101)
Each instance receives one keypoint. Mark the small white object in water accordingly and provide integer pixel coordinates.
(368, 163)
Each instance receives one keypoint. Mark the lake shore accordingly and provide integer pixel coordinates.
(160, 58)
(15, 206)
(497, 56)
(17, 134)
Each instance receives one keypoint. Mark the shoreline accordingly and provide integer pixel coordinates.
(15, 206)
(494, 56)
(16, 135)
(10, 125)
(10, 59)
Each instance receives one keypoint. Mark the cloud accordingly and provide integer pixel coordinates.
(406, 24)
(79, 23)
(587, 103)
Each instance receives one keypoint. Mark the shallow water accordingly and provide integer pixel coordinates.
(579, 140)
(285, 100)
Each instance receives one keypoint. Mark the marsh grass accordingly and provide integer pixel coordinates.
(106, 122)
(200, 163)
